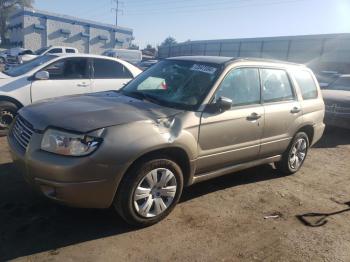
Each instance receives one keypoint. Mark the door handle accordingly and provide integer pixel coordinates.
(295, 110)
(83, 84)
(253, 116)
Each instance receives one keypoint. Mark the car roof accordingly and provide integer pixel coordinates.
(224, 60)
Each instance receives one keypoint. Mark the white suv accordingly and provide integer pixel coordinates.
(52, 76)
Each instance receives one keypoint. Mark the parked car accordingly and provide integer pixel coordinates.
(25, 56)
(184, 120)
(131, 56)
(3, 56)
(52, 76)
(337, 99)
(147, 64)
(326, 77)
(11, 56)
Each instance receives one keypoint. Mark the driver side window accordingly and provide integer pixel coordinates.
(242, 86)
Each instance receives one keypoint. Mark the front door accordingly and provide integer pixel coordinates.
(68, 76)
(233, 137)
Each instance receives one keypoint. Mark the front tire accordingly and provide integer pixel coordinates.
(8, 112)
(149, 192)
(293, 158)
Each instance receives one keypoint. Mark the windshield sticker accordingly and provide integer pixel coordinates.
(203, 68)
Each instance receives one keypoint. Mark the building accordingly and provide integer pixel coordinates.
(34, 29)
(320, 52)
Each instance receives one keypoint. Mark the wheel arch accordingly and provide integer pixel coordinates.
(12, 100)
(174, 153)
(308, 129)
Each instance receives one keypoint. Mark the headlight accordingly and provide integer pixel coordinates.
(64, 143)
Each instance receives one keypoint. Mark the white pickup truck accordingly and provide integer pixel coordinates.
(52, 76)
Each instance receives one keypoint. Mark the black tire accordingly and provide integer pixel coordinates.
(8, 112)
(124, 201)
(284, 165)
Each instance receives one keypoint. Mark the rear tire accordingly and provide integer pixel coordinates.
(8, 112)
(293, 158)
(149, 192)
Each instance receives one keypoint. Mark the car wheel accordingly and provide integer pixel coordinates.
(8, 112)
(149, 192)
(295, 155)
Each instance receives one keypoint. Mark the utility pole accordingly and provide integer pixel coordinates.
(117, 10)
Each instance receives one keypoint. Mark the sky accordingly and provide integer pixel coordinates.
(154, 20)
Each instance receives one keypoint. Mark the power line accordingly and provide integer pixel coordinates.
(200, 9)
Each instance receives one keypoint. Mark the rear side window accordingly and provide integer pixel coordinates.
(276, 86)
(108, 69)
(70, 51)
(55, 51)
(242, 86)
(306, 84)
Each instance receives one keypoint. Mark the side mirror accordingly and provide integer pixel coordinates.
(42, 75)
(223, 104)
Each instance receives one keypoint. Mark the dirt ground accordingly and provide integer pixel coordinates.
(218, 220)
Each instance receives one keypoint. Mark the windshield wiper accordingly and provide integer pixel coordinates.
(143, 96)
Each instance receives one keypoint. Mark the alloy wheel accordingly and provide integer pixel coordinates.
(298, 153)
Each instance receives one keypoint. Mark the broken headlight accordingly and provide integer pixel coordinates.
(69, 144)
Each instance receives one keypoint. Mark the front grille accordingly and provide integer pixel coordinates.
(12, 59)
(22, 132)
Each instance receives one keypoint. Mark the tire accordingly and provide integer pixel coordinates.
(153, 203)
(8, 112)
(297, 150)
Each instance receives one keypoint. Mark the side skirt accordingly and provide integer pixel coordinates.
(228, 170)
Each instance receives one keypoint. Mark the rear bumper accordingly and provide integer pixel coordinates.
(78, 182)
(318, 132)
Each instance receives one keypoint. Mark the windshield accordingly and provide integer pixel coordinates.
(171, 83)
(25, 68)
(41, 50)
(342, 83)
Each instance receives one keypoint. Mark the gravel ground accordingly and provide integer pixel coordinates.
(219, 220)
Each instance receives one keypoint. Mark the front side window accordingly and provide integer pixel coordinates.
(55, 51)
(276, 86)
(306, 84)
(172, 83)
(73, 68)
(109, 69)
(41, 50)
(242, 86)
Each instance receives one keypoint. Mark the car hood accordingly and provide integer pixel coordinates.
(336, 95)
(90, 112)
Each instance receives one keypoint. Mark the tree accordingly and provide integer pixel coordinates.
(149, 46)
(168, 41)
(6, 8)
(134, 47)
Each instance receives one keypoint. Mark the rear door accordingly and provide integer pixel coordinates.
(233, 136)
(69, 76)
(283, 112)
(109, 75)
